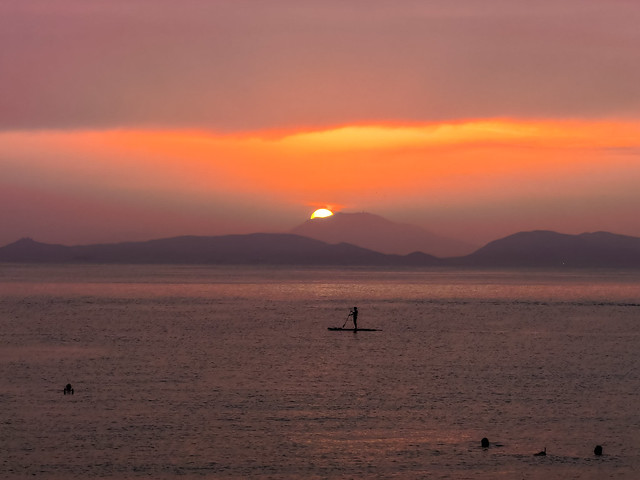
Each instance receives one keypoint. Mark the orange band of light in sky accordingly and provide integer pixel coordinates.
(334, 165)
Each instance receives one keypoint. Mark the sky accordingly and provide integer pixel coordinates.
(132, 120)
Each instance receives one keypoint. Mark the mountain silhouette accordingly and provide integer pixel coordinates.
(253, 249)
(525, 249)
(542, 248)
(377, 233)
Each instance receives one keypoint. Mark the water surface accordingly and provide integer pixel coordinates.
(205, 372)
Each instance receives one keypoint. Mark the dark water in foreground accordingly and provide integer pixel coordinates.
(185, 372)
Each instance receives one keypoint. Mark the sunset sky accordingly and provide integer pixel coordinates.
(132, 120)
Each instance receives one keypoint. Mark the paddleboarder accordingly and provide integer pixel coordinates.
(354, 315)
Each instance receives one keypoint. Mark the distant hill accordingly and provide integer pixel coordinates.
(377, 233)
(253, 249)
(524, 249)
(551, 249)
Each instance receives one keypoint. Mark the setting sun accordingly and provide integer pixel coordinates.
(321, 213)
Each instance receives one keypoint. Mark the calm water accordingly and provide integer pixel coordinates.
(187, 372)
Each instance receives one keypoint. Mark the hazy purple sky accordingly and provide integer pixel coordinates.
(254, 69)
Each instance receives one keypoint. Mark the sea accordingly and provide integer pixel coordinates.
(193, 372)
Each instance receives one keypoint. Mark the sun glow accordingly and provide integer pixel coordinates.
(461, 163)
(321, 213)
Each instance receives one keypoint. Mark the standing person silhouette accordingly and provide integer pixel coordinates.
(354, 314)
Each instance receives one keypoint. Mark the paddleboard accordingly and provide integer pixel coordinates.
(339, 329)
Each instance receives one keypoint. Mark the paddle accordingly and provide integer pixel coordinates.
(345, 322)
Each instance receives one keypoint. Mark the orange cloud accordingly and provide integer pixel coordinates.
(338, 165)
